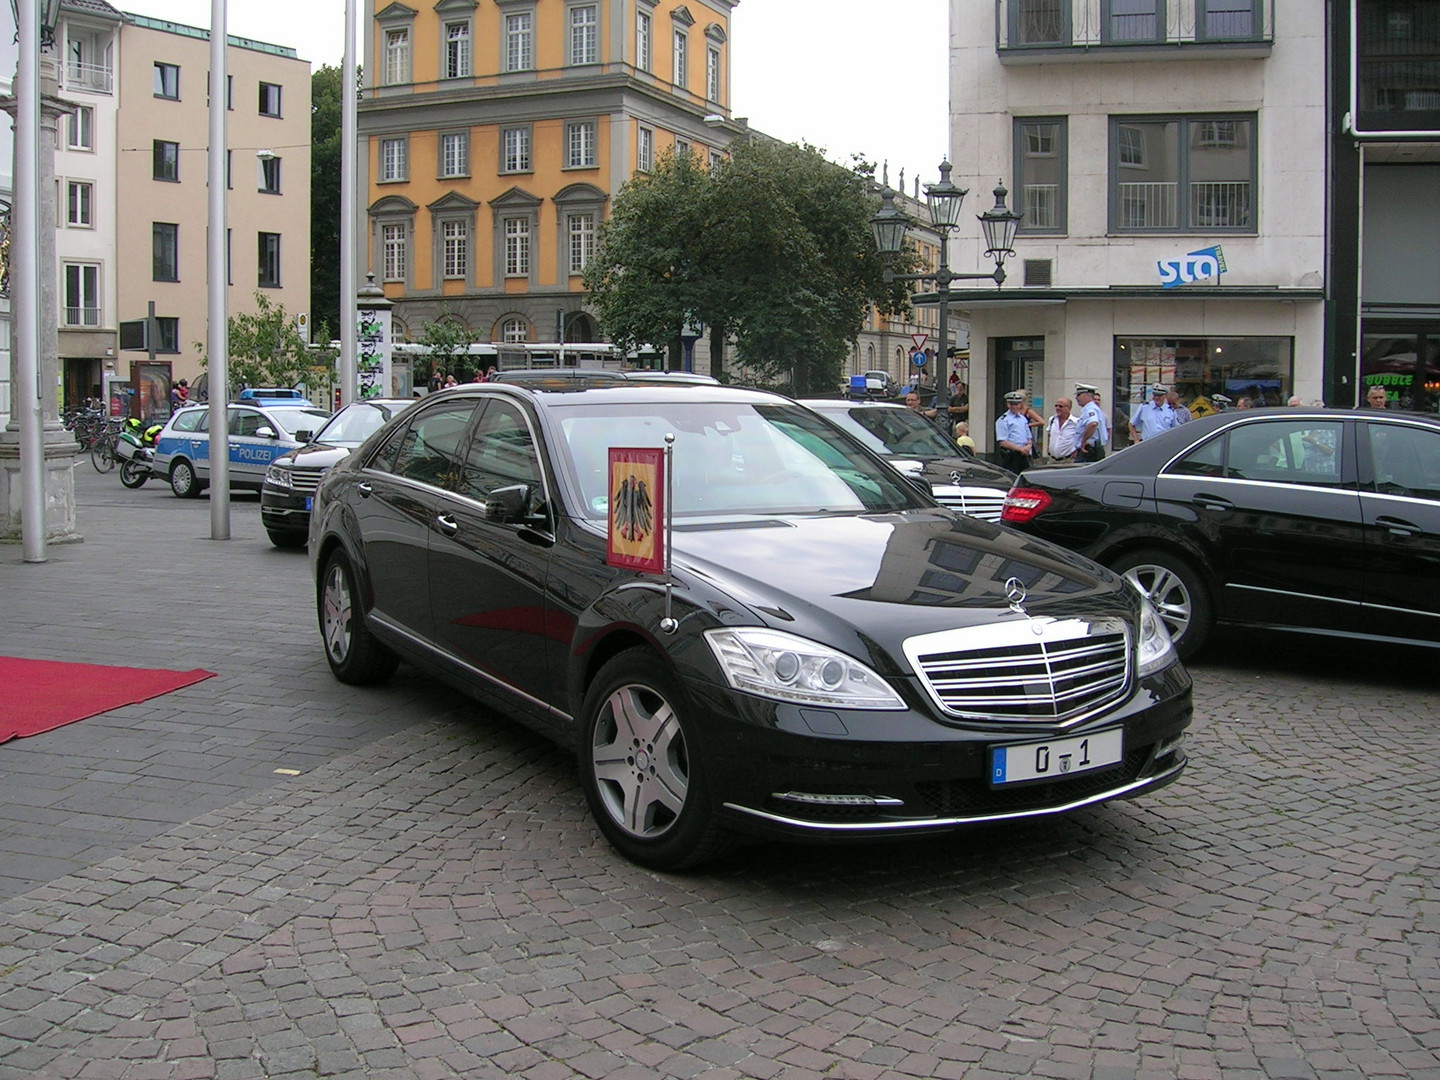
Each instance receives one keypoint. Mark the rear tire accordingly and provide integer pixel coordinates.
(355, 655)
(183, 481)
(1178, 592)
(133, 473)
(643, 769)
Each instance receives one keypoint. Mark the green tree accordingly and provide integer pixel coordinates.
(325, 159)
(266, 348)
(772, 248)
(448, 341)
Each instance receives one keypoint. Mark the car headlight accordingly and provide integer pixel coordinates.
(1154, 650)
(785, 667)
(278, 476)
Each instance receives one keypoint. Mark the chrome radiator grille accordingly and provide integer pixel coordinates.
(982, 503)
(304, 481)
(1038, 670)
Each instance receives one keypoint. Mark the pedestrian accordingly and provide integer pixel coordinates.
(436, 380)
(1035, 420)
(963, 442)
(1094, 432)
(1013, 440)
(1244, 403)
(1182, 414)
(1153, 417)
(1296, 401)
(932, 416)
(450, 381)
(1062, 432)
(491, 373)
(1376, 398)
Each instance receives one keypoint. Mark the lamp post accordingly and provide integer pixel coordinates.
(998, 225)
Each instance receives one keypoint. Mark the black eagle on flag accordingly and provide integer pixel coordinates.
(633, 511)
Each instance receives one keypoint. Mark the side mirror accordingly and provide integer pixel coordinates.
(304, 436)
(265, 431)
(919, 482)
(508, 505)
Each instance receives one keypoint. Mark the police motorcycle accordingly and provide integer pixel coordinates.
(135, 447)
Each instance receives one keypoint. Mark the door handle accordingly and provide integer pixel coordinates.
(364, 489)
(1212, 502)
(447, 524)
(1397, 526)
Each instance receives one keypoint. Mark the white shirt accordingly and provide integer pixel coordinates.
(1061, 439)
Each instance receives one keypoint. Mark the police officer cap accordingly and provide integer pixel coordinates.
(1086, 388)
(1015, 397)
(1159, 389)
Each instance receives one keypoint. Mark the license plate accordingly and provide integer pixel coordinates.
(1055, 759)
(308, 502)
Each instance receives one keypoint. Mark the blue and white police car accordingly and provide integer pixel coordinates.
(258, 434)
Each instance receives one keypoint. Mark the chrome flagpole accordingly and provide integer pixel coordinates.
(215, 261)
(669, 624)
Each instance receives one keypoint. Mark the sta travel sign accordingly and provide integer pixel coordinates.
(1203, 265)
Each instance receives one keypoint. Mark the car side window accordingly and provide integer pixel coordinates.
(1405, 460)
(428, 449)
(245, 422)
(192, 421)
(1207, 459)
(1287, 452)
(502, 453)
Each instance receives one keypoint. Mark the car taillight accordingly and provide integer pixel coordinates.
(1024, 504)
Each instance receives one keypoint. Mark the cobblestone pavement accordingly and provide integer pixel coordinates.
(428, 899)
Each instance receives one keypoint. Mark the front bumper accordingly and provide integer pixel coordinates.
(281, 509)
(816, 774)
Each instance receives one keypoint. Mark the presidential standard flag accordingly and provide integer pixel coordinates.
(636, 532)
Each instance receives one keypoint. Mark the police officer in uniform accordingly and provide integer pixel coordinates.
(1013, 441)
(1094, 431)
(1153, 417)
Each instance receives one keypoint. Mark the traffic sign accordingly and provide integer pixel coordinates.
(918, 358)
(919, 340)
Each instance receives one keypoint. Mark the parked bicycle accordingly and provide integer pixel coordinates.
(102, 451)
(87, 425)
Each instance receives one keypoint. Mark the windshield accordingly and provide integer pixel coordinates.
(355, 423)
(732, 458)
(897, 432)
(293, 420)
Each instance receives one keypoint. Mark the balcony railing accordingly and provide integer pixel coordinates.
(1147, 206)
(1214, 204)
(97, 78)
(82, 316)
(1039, 202)
(1056, 28)
(1220, 204)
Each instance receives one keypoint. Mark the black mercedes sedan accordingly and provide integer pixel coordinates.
(739, 618)
(913, 445)
(1312, 520)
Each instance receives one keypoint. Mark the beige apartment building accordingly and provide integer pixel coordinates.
(162, 193)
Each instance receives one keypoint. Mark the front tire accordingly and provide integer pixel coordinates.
(183, 481)
(355, 655)
(1178, 592)
(102, 456)
(642, 766)
(134, 473)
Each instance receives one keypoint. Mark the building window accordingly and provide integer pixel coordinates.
(580, 144)
(79, 203)
(645, 150)
(1188, 174)
(682, 149)
(515, 150)
(455, 236)
(165, 251)
(584, 34)
(712, 74)
(455, 154)
(642, 41)
(397, 56)
(517, 247)
(680, 75)
(167, 335)
(519, 42)
(394, 159)
(80, 129)
(457, 50)
(716, 158)
(395, 245)
(270, 175)
(1040, 168)
(166, 160)
(269, 275)
(269, 99)
(1226, 19)
(582, 241)
(82, 294)
(167, 81)
(1040, 22)
(1134, 20)
(514, 329)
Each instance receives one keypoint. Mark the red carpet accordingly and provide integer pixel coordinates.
(40, 695)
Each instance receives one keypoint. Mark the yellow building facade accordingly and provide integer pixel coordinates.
(494, 136)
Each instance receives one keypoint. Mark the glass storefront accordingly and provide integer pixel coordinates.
(1257, 371)
(1405, 360)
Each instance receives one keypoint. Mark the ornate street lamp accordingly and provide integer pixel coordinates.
(998, 225)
